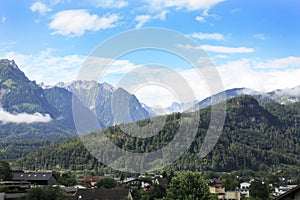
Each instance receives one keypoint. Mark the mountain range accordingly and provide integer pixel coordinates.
(28, 110)
(282, 96)
(23, 103)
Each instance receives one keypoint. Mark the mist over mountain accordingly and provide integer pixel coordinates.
(282, 96)
(25, 112)
(20, 95)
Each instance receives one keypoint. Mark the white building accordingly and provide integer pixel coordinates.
(283, 189)
(245, 188)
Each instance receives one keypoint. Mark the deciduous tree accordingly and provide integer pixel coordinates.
(189, 186)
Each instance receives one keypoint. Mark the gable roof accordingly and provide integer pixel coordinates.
(217, 181)
(33, 176)
(291, 193)
(102, 194)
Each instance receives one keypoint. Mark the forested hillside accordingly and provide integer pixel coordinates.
(254, 137)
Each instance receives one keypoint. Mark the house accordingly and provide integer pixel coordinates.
(245, 189)
(90, 179)
(131, 182)
(214, 182)
(223, 195)
(146, 186)
(230, 195)
(293, 194)
(103, 194)
(68, 191)
(218, 182)
(36, 178)
(283, 189)
(216, 190)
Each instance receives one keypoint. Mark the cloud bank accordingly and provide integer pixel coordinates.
(7, 117)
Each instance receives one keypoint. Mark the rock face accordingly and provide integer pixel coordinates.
(110, 105)
(19, 94)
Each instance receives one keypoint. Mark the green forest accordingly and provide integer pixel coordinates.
(255, 137)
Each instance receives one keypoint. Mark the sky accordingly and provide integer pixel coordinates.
(252, 43)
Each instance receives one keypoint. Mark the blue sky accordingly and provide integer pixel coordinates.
(253, 43)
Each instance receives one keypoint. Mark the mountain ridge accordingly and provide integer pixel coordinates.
(252, 139)
(42, 104)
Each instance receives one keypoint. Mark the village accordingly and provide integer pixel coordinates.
(119, 187)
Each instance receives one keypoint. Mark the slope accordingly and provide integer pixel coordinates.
(253, 138)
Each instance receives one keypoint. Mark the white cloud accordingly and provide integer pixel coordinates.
(224, 49)
(289, 91)
(279, 63)
(234, 74)
(260, 36)
(202, 18)
(94, 66)
(156, 96)
(7, 117)
(46, 67)
(218, 49)
(244, 73)
(121, 67)
(55, 2)
(110, 3)
(199, 19)
(161, 15)
(236, 10)
(50, 69)
(208, 36)
(206, 14)
(3, 19)
(197, 83)
(189, 5)
(77, 22)
(142, 19)
(221, 56)
(40, 8)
